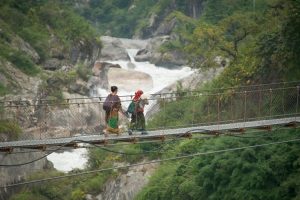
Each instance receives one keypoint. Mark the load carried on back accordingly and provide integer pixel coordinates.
(136, 109)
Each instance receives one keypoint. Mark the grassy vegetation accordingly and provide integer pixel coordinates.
(28, 195)
(19, 60)
(83, 72)
(3, 90)
(69, 188)
(24, 63)
(55, 83)
(10, 128)
(47, 26)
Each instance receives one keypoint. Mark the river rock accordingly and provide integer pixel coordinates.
(99, 78)
(152, 53)
(116, 48)
(129, 80)
(171, 59)
(113, 49)
(52, 64)
(143, 55)
(100, 66)
(133, 43)
(86, 52)
(97, 68)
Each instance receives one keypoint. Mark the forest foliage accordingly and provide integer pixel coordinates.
(36, 22)
(253, 36)
(259, 43)
(37, 26)
(270, 172)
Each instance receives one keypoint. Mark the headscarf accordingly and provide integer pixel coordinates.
(137, 95)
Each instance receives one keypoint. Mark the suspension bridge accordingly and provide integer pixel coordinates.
(74, 120)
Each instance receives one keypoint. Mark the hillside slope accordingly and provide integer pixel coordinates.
(39, 36)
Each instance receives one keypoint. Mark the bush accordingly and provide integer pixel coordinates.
(56, 95)
(94, 184)
(10, 128)
(265, 171)
(131, 149)
(22, 62)
(3, 90)
(72, 28)
(38, 38)
(28, 195)
(78, 195)
(56, 83)
(83, 72)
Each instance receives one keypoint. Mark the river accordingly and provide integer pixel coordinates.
(162, 77)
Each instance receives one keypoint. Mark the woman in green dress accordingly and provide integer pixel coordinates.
(112, 106)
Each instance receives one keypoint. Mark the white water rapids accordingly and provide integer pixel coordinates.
(162, 77)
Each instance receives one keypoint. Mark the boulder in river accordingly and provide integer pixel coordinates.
(113, 49)
(152, 53)
(129, 80)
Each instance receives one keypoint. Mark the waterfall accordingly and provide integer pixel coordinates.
(161, 77)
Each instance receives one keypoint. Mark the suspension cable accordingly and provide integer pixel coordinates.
(151, 162)
(35, 160)
(130, 96)
(115, 144)
(100, 147)
(167, 141)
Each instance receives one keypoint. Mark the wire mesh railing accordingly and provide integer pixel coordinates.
(42, 119)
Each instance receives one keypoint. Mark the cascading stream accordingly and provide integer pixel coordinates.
(161, 78)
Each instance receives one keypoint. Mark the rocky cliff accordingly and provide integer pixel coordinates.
(9, 175)
(152, 53)
(81, 52)
(160, 23)
(17, 56)
(127, 185)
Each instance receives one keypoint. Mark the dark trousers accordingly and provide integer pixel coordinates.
(138, 121)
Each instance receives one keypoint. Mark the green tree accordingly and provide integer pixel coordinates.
(224, 39)
(262, 173)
